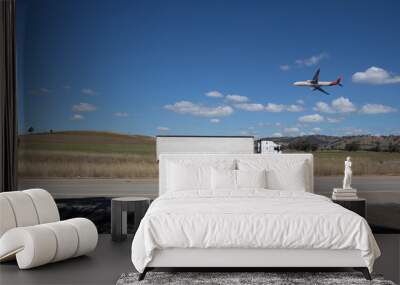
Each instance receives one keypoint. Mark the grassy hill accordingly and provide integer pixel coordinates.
(87, 154)
(87, 141)
(112, 155)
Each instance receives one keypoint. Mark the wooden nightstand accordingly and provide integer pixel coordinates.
(358, 206)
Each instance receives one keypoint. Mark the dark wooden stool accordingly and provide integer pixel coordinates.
(120, 207)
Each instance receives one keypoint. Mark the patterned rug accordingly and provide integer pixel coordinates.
(244, 278)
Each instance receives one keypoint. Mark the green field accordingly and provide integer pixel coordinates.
(110, 155)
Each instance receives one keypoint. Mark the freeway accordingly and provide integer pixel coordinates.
(381, 189)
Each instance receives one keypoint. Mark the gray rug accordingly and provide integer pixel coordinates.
(269, 278)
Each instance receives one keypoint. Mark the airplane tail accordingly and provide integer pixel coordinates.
(337, 82)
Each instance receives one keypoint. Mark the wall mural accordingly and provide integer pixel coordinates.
(97, 81)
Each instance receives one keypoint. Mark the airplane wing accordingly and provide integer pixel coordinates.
(315, 78)
(322, 90)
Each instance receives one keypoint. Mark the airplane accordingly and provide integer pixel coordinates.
(315, 84)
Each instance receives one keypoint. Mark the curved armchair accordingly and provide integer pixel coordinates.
(31, 230)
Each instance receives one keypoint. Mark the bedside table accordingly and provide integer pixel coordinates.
(358, 206)
(120, 207)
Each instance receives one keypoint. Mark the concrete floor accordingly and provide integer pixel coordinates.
(103, 266)
(106, 264)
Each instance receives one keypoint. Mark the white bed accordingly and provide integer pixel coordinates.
(202, 220)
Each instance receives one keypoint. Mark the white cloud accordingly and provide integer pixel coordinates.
(278, 124)
(163, 129)
(317, 130)
(316, 118)
(215, 121)
(372, 109)
(294, 108)
(291, 130)
(214, 94)
(351, 131)
(313, 60)
(375, 75)
(277, 135)
(88, 91)
(262, 124)
(276, 108)
(187, 107)
(339, 105)
(284, 67)
(333, 120)
(251, 107)
(343, 105)
(121, 114)
(323, 108)
(355, 132)
(248, 133)
(83, 107)
(300, 101)
(77, 117)
(237, 98)
(44, 90)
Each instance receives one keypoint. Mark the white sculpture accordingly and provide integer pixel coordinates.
(348, 173)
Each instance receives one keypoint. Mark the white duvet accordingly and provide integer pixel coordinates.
(250, 219)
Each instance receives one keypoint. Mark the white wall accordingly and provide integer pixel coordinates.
(243, 145)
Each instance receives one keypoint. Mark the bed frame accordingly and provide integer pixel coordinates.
(246, 259)
(234, 259)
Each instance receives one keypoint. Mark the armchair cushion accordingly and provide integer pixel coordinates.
(40, 244)
(31, 231)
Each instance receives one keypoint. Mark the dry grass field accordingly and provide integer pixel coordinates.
(87, 154)
(109, 155)
(327, 163)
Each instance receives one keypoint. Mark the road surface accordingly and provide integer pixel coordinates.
(381, 189)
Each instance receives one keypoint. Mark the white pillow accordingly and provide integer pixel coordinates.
(282, 174)
(251, 178)
(188, 177)
(223, 179)
(193, 174)
(293, 180)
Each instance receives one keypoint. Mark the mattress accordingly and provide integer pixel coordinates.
(250, 219)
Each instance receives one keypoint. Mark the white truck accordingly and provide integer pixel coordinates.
(265, 146)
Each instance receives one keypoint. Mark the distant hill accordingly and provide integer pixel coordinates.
(321, 142)
(88, 141)
(87, 135)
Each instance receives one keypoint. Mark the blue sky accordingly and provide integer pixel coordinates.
(208, 67)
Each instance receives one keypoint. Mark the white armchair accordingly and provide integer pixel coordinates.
(31, 230)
